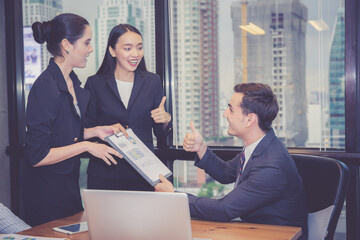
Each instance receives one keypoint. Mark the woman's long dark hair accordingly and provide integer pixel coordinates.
(64, 26)
(109, 62)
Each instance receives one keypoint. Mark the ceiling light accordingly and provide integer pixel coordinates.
(319, 25)
(253, 29)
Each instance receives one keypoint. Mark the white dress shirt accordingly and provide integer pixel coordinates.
(249, 150)
(124, 89)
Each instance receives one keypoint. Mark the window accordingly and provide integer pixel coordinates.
(300, 55)
(102, 16)
(308, 60)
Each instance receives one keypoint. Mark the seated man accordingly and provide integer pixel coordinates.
(268, 188)
(9, 223)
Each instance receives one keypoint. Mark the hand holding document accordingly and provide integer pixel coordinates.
(141, 158)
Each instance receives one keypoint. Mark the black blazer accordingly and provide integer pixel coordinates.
(270, 190)
(106, 108)
(52, 121)
(51, 118)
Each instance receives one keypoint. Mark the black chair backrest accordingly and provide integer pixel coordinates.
(325, 181)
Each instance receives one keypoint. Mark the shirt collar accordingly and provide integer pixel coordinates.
(250, 149)
(59, 77)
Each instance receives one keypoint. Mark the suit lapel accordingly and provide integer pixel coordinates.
(138, 84)
(76, 84)
(247, 167)
(263, 144)
(111, 82)
(59, 78)
(83, 98)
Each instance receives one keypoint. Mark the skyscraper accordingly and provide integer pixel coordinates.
(40, 11)
(195, 74)
(195, 66)
(337, 82)
(209, 71)
(276, 58)
(139, 13)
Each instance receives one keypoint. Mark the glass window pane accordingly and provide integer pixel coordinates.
(102, 15)
(295, 46)
(193, 180)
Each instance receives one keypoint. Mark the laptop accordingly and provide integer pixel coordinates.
(135, 215)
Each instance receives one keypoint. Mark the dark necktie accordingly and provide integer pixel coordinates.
(242, 161)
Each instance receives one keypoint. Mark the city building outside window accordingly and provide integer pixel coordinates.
(295, 46)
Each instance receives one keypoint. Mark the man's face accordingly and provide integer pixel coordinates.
(234, 115)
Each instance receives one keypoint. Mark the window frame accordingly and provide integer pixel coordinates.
(349, 156)
(166, 150)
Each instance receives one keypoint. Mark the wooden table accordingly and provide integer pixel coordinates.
(200, 229)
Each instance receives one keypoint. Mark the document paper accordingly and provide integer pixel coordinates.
(139, 156)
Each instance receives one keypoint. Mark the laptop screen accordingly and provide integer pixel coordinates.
(134, 215)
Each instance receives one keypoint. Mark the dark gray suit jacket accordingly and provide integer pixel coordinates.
(270, 190)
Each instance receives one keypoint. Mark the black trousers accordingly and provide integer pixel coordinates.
(46, 196)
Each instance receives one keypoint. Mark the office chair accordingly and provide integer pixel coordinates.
(325, 181)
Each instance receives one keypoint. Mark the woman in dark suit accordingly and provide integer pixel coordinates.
(54, 120)
(123, 91)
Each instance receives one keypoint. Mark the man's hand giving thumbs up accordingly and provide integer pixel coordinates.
(193, 142)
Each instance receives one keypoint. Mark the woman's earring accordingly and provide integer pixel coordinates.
(67, 51)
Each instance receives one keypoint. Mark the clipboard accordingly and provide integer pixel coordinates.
(139, 156)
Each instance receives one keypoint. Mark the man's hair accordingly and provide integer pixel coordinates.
(259, 99)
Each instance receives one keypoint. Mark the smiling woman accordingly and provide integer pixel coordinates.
(54, 121)
(124, 92)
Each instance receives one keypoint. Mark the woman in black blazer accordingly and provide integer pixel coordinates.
(123, 91)
(54, 120)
